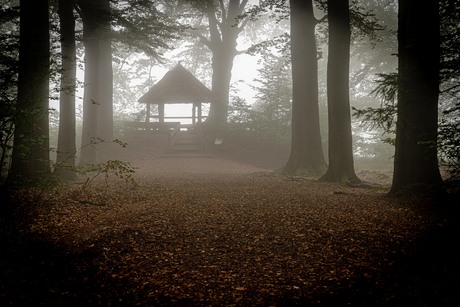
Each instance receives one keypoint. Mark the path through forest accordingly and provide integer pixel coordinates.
(208, 231)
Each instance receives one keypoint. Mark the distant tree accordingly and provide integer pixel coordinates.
(416, 162)
(66, 148)
(306, 155)
(143, 31)
(225, 25)
(341, 165)
(273, 103)
(30, 160)
(268, 119)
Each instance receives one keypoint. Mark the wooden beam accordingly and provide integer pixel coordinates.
(147, 117)
(200, 115)
(161, 112)
(194, 114)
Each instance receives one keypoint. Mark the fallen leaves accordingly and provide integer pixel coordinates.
(235, 239)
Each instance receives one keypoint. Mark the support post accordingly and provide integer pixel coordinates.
(161, 112)
(147, 117)
(194, 114)
(199, 112)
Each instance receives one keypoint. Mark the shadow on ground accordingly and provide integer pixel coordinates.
(34, 272)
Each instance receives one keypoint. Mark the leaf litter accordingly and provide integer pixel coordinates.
(243, 239)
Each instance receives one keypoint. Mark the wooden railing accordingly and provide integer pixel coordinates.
(151, 126)
(173, 136)
(200, 131)
(168, 131)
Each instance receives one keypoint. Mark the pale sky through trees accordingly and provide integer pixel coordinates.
(245, 70)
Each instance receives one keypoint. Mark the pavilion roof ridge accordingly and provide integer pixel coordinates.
(178, 85)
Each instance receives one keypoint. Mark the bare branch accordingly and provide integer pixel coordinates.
(213, 28)
(224, 12)
(450, 89)
(243, 5)
(239, 52)
(243, 24)
(321, 20)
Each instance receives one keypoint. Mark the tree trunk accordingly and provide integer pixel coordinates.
(416, 167)
(306, 155)
(30, 159)
(105, 83)
(222, 64)
(97, 131)
(66, 149)
(91, 101)
(341, 166)
(223, 42)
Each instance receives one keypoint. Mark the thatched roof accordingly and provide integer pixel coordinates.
(177, 86)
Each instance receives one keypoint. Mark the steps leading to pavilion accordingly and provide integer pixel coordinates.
(187, 143)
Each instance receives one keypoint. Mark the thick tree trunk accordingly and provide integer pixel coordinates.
(105, 83)
(91, 100)
(416, 166)
(97, 131)
(66, 149)
(30, 159)
(223, 42)
(222, 64)
(306, 155)
(341, 165)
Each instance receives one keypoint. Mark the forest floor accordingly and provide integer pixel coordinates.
(210, 231)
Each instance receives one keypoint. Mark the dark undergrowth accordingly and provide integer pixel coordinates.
(35, 272)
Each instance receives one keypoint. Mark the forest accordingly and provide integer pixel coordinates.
(230, 152)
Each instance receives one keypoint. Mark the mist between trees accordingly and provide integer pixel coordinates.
(314, 85)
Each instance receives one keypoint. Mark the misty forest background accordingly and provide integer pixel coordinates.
(339, 105)
(328, 93)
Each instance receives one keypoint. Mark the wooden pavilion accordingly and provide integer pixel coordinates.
(178, 86)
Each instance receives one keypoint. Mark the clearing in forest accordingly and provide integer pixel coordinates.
(208, 231)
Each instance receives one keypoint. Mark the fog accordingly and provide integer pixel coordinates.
(219, 153)
(258, 129)
(259, 115)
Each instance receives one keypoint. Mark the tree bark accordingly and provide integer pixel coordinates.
(30, 160)
(222, 43)
(91, 101)
(106, 83)
(341, 165)
(97, 99)
(306, 155)
(222, 64)
(416, 167)
(66, 149)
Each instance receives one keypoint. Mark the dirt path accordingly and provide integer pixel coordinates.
(184, 166)
(204, 231)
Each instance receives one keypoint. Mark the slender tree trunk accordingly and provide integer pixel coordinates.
(30, 159)
(416, 167)
(341, 165)
(66, 138)
(306, 155)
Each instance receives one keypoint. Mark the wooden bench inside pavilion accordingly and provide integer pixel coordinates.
(175, 134)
